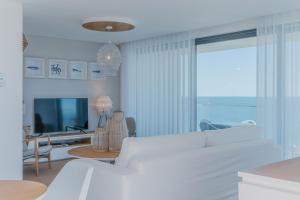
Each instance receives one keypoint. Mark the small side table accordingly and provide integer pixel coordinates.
(21, 190)
(89, 152)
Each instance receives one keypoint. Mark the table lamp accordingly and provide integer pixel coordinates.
(104, 105)
(101, 140)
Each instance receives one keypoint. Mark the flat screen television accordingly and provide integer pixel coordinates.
(54, 115)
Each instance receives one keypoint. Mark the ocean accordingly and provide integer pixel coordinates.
(226, 110)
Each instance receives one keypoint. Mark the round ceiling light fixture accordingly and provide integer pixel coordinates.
(108, 24)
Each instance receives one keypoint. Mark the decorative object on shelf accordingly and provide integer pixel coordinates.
(108, 24)
(57, 69)
(101, 138)
(34, 67)
(95, 72)
(78, 70)
(109, 59)
(117, 131)
(25, 42)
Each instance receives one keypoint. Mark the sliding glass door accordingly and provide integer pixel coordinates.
(226, 80)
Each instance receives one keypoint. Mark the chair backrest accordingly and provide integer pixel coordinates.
(131, 126)
(72, 182)
(26, 134)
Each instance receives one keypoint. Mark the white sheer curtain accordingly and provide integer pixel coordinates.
(158, 84)
(279, 80)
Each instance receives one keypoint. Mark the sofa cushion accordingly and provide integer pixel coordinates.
(232, 135)
(155, 145)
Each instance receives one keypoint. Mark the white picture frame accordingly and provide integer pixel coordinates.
(107, 72)
(95, 72)
(78, 70)
(57, 69)
(34, 67)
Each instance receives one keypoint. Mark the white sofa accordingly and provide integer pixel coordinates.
(194, 166)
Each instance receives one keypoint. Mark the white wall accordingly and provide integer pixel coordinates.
(11, 92)
(70, 50)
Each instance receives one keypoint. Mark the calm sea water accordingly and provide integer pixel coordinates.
(226, 110)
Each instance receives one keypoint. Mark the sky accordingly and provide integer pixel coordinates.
(227, 72)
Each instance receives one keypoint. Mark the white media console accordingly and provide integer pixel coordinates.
(63, 142)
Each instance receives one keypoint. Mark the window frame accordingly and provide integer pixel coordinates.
(226, 37)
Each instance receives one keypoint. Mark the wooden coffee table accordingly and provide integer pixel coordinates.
(89, 152)
(21, 190)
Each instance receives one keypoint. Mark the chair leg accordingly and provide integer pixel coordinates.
(49, 161)
(37, 170)
(36, 156)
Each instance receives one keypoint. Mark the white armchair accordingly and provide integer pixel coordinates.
(72, 182)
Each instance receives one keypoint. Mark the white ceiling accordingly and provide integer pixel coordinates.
(63, 18)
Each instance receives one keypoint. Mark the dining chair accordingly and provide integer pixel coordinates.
(131, 125)
(37, 152)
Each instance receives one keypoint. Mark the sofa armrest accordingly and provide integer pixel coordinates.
(107, 181)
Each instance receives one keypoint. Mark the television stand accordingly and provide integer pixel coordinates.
(63, 142)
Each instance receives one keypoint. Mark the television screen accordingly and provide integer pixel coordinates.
(60, 114)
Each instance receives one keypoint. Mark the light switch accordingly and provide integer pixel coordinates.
(2, 80)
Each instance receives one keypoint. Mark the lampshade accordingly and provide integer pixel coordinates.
(104, 103)
(109, 59)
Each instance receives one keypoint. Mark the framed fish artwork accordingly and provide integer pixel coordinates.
(78, 70)
(34, 67)
(95, 72)
(57, 69)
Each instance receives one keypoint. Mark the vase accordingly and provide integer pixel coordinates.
(117, 131)
(100, 140)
